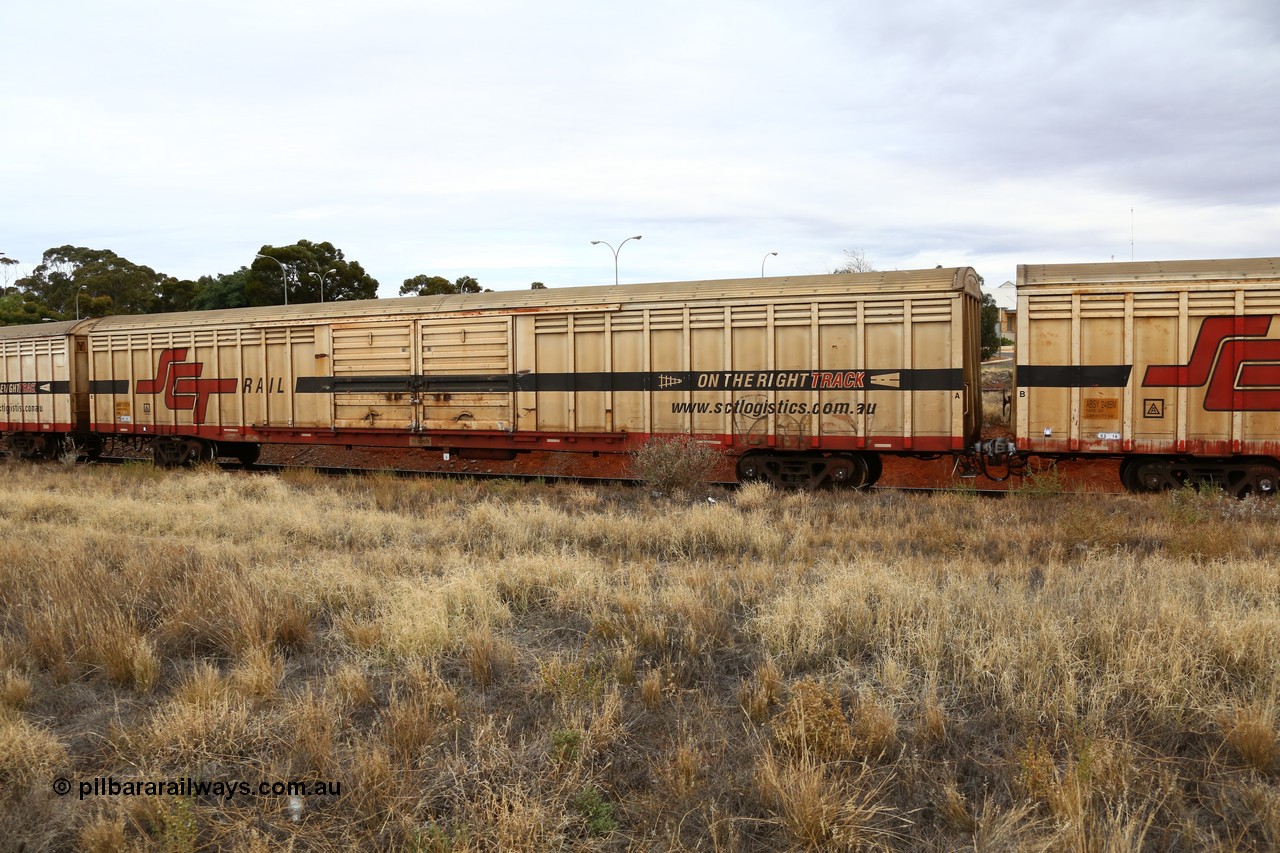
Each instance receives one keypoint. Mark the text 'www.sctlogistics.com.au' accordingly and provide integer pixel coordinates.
(759, 409)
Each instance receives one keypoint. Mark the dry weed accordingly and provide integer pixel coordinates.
(759, 694)
(825, 806)
(1252, 734)
(812, 724)
(351, 686)
(15, 691)
(30, 755)
(678, 464)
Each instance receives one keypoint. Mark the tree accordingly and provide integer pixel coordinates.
(426, 285)
(855, 260)
(176, 294)
(537, 285)
(435, 285)
(990, 326)
(110, 284)
(348, 281)
(18, 307)
(8, 268)
(226, 290)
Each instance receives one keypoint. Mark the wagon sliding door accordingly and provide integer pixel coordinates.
(466, 373)
(373, 375)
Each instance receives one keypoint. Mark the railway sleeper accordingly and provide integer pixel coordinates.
(809, 470)
(1237, 477)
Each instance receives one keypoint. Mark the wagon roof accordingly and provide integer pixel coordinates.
(667, 294)
(1034, 275)
(57, 329)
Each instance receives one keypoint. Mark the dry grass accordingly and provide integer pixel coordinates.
(533, 667)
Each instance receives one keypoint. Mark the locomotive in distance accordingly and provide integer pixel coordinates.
(1170, 368)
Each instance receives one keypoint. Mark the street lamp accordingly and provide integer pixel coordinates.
(615, 253)
(762, 260)
(327, 273)
(284, 273)
(78, 292)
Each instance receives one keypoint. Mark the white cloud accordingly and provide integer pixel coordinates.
(498, 139)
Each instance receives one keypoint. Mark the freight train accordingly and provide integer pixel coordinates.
(1170, 368)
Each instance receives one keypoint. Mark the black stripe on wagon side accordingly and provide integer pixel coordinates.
(931, 379)
(456, 384)
(1074, 375)
(924, 379)
(108, 386)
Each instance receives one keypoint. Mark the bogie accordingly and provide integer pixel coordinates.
(809, 470)
(176, 451)
(1237, 477)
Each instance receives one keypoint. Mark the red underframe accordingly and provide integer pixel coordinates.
(569, 442)
(580, 442)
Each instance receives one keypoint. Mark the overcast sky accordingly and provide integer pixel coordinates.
(498, 139)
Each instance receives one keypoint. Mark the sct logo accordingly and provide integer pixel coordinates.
(182, 386)
(1241, 366)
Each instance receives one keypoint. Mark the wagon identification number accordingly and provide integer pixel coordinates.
(1102, 408)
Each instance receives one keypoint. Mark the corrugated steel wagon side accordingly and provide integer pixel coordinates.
(43, 397)
(802, 380)
(199, 384)
(1172, 366)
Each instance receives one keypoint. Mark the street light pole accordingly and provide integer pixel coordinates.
(78, 292)
(327, 273)
(615, 253)
(762, 260)
(284, 274)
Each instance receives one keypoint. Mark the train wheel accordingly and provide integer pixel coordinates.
(1154, 475)
(750, 468)
(847, 472)
(246, 453)
(875, 467)
(174, 452)
(809, 470)
(1267, 482)
(1128, 475)
(1258, 477)
(169, 452)
(33, 447)
(164, 454)
(1237, 477)
(91, 446)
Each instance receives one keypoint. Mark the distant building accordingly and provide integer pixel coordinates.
(1006, 297)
